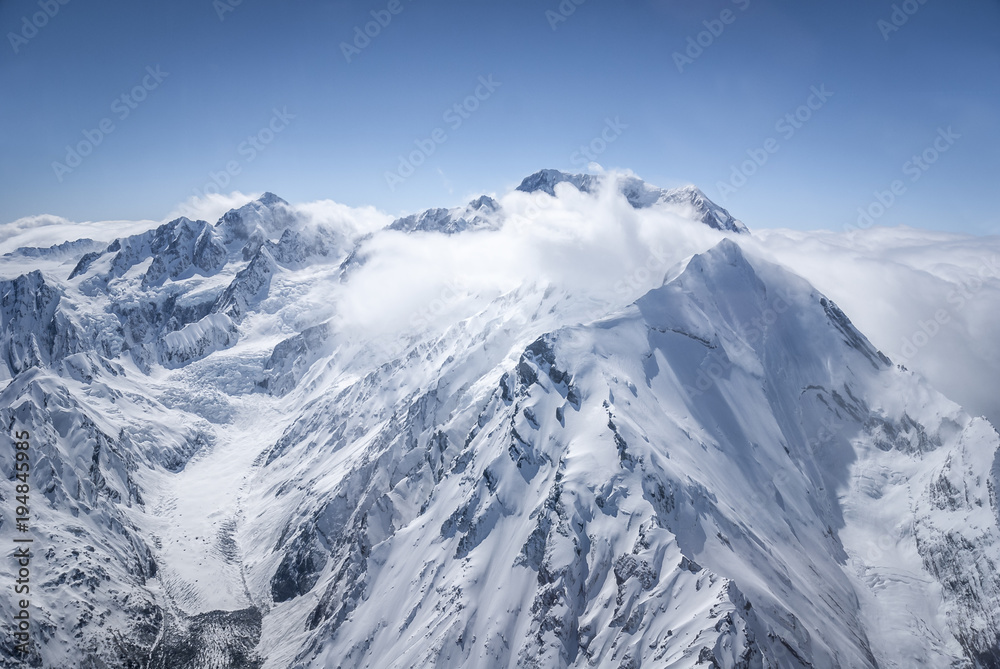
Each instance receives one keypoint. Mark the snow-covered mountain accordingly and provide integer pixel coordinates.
(480, 214)
(930, 300)
(618, 439)
(640, 195)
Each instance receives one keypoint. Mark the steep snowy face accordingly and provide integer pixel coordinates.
(703, 209)
(928, 299)
(82, 344)
(40, 326)
(95, 589)
(724, 472)
(715, 469)
(262, 218)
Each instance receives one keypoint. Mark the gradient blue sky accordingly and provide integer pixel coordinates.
(353, 120)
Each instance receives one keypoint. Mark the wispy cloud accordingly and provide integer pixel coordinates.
(588, 248)
(47, 230)
(211, 206)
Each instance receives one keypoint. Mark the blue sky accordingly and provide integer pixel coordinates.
(324, 127)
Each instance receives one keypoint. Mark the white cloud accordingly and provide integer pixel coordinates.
(598, 254)
(15, 228)
(928, 300)
(211, 207)
(359, 220)
(601, 254)
(596, 250)
(46, 230)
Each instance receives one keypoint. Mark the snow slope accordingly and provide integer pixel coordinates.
(571, 426)
(700, 477)
(929, 300)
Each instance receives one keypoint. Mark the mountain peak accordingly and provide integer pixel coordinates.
(480, 214)
(546, 181)
(705, 210)
(723, 270)
(269, 199)
(268, 215)
(484, 202)
(640, 195)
